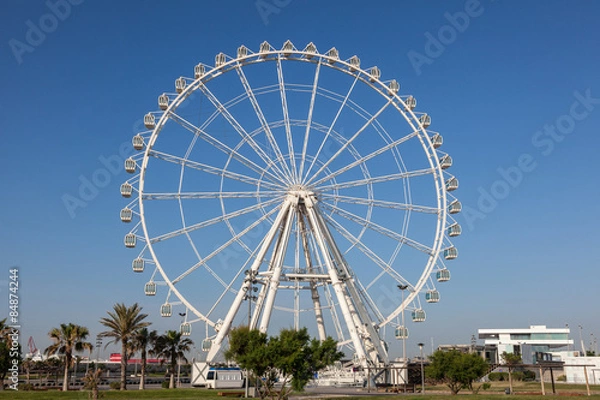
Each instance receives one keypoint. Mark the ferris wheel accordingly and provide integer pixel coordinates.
(288, 187)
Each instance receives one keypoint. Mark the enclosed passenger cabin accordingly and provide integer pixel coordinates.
(410, 103)
(443, 275)
(220, 60)
(130, 240)
(437, 141)
(333, 55)
(242, 52)
(149, 121)
(150, 288)
(126, 190)
(454, 230)
(445, 162)
(130, 165)
(432, 296)
(126, 214)
(374, 73)
(166, 310)
(393, 87)
(311, 49)
(451, 184)
(288, 48)
(180, 84)
(138, 142)
(455, 207)
(265, 48)
(199, 71)
(206, 344)
(401, 332)
(354, 62)
(185, 329)
(163, 101)
(138, 265)
(418, 315)
(450, 253)
(425, 120)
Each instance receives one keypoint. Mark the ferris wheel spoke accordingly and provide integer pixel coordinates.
(309, 120)
(286, 118)
(350, 140)
(377, 179)
(199, 132)
(366, 158)
(232, 240)
(211, 170)
(366, 250)
(378, 228)
(263, 121)
(210, 195)
(237, 127)
(368, 301)
(213, 221)
(326, 137)
(380, 203)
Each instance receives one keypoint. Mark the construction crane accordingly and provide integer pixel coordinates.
(34, 353)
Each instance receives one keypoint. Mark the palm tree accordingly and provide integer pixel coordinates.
(92, 380)
(68, 339)
(4, 330)
(171, 346)
(123, 323)
(144, 341)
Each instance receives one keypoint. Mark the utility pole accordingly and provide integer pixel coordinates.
(581, 340)
(422, 370)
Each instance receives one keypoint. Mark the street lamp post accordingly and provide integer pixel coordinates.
(182, 315)
(249, 296)
(404, 361)
(98, 345)
(422, 371)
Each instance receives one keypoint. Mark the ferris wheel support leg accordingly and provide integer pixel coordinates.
(216, 347)
(280, 251)
(356, 306)
(318, 311)
(313, 284)
(336, 282)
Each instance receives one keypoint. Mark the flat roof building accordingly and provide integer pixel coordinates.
(527, 342)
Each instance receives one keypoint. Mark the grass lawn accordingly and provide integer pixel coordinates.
(524, 391)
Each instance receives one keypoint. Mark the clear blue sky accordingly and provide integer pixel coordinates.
(496, 85)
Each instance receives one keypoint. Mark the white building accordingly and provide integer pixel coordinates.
(575, 371)
(529, 342)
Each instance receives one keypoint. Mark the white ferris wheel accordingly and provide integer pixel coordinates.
(288, 187)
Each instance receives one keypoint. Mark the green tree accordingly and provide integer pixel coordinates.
(455, 369)
(123, 323)
(292, 355)
(511, 360)
(143, 341)
(6, 361)
(172, 347)
(67, 339)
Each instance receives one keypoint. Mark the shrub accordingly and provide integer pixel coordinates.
(115, 385)
(498, 376)
(165, 384)
(528, 376)
(26, 386)
(486, 386)
(562, 378)
(518, 375)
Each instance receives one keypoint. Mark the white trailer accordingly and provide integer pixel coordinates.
(204, 375)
